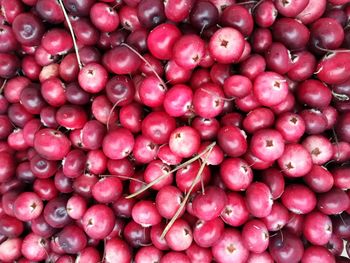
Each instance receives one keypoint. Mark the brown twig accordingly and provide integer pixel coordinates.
(3, 85)
(184, 201)
(170, 172)
(147, 63)
(72, 33)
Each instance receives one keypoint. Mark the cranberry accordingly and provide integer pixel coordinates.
(148, 254)
(207, 102)
(232, 140)
(179, 236)
(188, 51)
(299, 199)
(278, 217)
(317, 228)
(235, 212)
(160, 44)
(55, 213)
(158, 126)
(295, 161)
(10, 226)
(175, 257)
(93, 77)
(27, 206)
(118, 143)
(98, 221)
(35, 247)
(45, 188)
(168, 201)
(88, 253)
(226, 45)
(50, 11)
(274, 179)
(117, 250)
(8, 169)
(230, 247)
(10, 249)
(286, 247)
(319, 179)
(269, 83)
(51, 144)
(72, 239)
(104, 17)
(333, 202)
(184, 141)
(314, 253)
(186, 176)
(121, 60)
(259, 199)
(207, 233)
(255, 236)
(107, 190)
(28, 29)
(209, 205)
(236, 174)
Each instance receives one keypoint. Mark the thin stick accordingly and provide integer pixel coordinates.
(213, 94)
(341, 97)
(72, 33)
(332, 51)
(203, 186)
(3, 86)
(111, 112)
(319, 70)
(342, 219)
(256, 5)
(184, 201)
(336, 141)
(125, 178)
(147, 63)
(246, 3)
(170, 172)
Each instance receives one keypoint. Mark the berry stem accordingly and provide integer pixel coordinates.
(72, 33)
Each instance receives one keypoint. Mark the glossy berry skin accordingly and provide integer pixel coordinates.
(104, 17)
(298, 199)
(226, 45)
(28, 29)
(269, 83)
(98, 221)
(317, 228)
(184, 141)
(72, 239)
(27, 206)
(288, 248)
(230, 247)
(93, 77)
(145, 213)
(210, 205)
(207, 233)
(236, 174)
(232, 141)
(207, 102)
(188, 51)
(180, 231)
(255, 236)
(259, 199)
(51, 144)
(317, 253)
(292, 155)
(118, 144)
(57, 41)
(161, 40)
